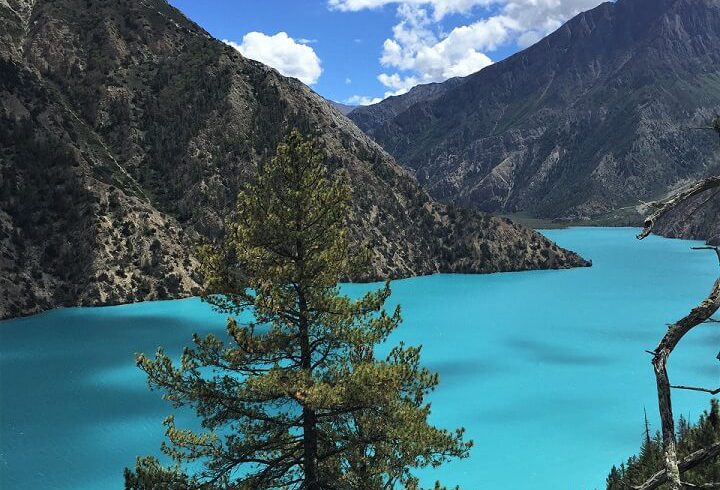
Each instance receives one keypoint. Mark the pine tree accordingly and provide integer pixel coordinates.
(296, 398)
(651, 457)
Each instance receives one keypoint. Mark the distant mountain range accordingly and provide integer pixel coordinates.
(581, 126)
(125, 133)
(343, 109)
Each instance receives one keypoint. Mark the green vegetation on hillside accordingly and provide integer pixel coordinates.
(41, 195)
(691, 437)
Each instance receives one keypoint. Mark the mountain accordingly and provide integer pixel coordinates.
(590, 120)
(343, 109)
(371, 116)
(125, 133)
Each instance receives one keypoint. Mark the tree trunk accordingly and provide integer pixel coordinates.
(310, 450)
(310, 436)
(668, 423)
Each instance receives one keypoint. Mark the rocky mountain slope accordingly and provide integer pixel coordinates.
(125, 133)
(699, 218)
(595, 117)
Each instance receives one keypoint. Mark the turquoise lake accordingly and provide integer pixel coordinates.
(545, 369)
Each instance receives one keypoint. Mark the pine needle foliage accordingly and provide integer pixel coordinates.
(295, 397)
(650, 459)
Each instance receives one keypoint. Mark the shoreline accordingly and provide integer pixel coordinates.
(537, 224)
(614, 219)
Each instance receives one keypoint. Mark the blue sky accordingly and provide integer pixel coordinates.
(360, 51)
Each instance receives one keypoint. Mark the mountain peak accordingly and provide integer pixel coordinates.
(585, 121)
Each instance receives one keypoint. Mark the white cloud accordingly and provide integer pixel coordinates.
(420, 52)
(528, 38)
(415, 48)
(441, 8)
(362, 100)
(348, 81)
(397, 84)
(289, 57)
(545, 16)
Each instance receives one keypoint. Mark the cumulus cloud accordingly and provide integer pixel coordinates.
(419, 51)
(441, 8)
(362, 100)
(290, 57)
(398, 84)
(545, 16)
(528, 38)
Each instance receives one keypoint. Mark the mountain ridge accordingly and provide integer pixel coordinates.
(592, 118)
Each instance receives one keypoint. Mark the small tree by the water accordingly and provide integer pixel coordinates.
(296, 397)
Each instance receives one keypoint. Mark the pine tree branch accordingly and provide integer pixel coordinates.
(688, 463)
(663, 207)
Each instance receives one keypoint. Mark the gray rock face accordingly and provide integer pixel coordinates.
(593, 118)
(125, 134)
(699, 218)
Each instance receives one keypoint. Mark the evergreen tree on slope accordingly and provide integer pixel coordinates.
(297, 398)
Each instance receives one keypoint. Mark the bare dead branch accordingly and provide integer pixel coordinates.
(663, 207)
(700, 314)
(688, 463)
(675, 333)
(692, 388)
(701, 485)
(648, 204)
(672, 338)
(709, 247)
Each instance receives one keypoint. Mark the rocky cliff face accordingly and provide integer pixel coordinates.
(125, 133)
(595, 117)
(698, 220)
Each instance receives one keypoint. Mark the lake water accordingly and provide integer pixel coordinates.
(545, 369)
